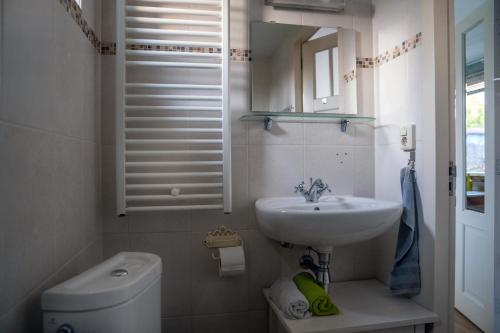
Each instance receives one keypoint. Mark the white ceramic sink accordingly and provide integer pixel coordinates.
(333, 221)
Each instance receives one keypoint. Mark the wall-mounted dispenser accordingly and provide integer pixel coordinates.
(407, 137)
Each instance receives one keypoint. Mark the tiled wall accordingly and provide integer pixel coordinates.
(50, 145)
(399, 98)
(50, 221)
(195, 299)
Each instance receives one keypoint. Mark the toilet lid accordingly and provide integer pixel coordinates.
(110, 283)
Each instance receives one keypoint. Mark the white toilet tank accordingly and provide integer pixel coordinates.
(120, 295)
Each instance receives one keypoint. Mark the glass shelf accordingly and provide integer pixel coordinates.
(269, 117)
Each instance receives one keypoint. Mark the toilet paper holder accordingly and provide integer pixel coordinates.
(222, 237)
(227, 247)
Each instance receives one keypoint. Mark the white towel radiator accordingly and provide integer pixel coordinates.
(173, 149)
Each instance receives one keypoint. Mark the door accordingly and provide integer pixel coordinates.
(322, 83)
(475, 167)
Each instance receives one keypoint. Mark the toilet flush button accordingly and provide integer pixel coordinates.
(119, 272)
(66, 328)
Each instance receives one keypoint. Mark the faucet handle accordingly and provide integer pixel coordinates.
(325, 187)
(299, 188)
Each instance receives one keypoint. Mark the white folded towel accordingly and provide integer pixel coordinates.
(289, 299)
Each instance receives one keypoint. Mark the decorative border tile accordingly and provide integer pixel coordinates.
(350, 76)
(391, 54)
(108, 48)
(234, 54)
(74, 10)
(365, 62)
(173, 48)
(240, 54)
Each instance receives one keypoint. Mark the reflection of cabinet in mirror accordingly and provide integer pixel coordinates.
(303, 69)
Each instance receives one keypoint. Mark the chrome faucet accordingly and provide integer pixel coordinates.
(315, 190)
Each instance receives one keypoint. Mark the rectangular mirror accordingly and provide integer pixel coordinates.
(298, 68)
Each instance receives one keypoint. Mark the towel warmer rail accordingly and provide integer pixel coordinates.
(172, 106)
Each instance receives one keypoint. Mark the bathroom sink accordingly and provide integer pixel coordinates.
(333, 221)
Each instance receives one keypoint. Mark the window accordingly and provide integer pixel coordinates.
(474, 115)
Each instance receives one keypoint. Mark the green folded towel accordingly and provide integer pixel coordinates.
(319, 300)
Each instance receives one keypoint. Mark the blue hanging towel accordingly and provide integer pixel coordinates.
(405, 276)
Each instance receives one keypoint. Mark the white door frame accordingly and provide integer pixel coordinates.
(441, 34)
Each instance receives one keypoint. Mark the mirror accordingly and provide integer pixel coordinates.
(298, 68)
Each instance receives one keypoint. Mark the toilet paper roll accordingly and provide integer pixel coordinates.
(231, 261)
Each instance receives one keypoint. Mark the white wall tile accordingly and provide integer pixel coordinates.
(393, 93)
(261, 12)
(222, 323)
(325, 19)
(239, 24)
(342, 268)
(91, 196)
(239, 101)
(362, 24)
(280, 133)
(389, 159)
(174, 250)
(416, 93)
(29, 97)
(387, 134)
(4, 302)
(74, 94)
(14, 321)
(29, 209)
(333, 164)
(365, 260)
(50, 141)
(364, 177)
(263, 262)
(68, 222)
(108, 21)
(257, 322)
(92, 12)
(108, 100)
(364, 134)
(176, 325)
(274, 170)
(328, 134)
(115, 243)
(365, 90)
(210, 293)
(413, 16)
(158, 221)
(389, 28)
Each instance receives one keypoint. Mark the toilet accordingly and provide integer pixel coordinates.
(120, 295)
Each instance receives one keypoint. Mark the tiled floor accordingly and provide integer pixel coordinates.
(464, 325)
